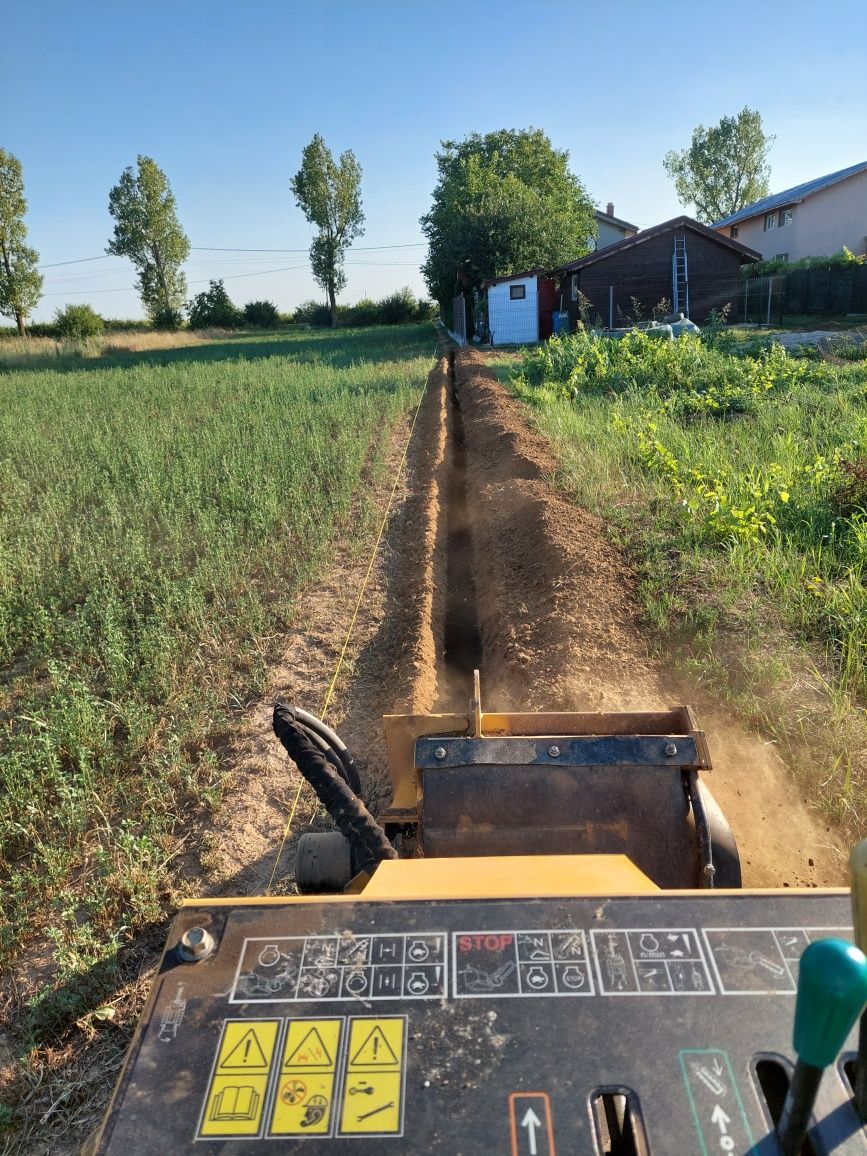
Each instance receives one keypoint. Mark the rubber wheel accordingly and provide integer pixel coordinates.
(323, 863)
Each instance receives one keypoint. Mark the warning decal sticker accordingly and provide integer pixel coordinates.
(304, 1099)
(235, 1099)
(342, 967)
(374, 1081)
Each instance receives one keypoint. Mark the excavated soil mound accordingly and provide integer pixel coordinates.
(479, 532)
(561, 628)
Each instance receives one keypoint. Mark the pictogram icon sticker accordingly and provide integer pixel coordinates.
(304, 1100)
(374, 1077)
(530, 1124)
(236, 1094)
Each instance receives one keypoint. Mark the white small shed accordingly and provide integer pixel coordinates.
(520, 306)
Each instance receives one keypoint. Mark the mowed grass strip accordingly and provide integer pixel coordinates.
(157, 516)
(739, 484)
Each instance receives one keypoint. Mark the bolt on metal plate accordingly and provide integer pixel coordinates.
(196, 944)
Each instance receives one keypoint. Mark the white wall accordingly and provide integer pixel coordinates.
(821, 225)
(513, 322)
(611, 234)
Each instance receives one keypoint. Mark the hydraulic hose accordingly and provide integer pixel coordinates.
(367, 838)
(336, 743)
(328, 751)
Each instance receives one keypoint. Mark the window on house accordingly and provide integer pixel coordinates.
(517, 292)
(733, 231)
(785, 217)
(782, 256)
(574, 287)
(770, 221)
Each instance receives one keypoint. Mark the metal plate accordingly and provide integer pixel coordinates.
(438, 1026)
(609, 750)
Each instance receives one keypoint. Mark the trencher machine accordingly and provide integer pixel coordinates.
(541, 946)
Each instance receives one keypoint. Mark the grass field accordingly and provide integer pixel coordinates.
(739, 484)
(159, 511)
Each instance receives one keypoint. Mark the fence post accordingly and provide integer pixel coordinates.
(746, 295)
(770, 291)
(610, 306)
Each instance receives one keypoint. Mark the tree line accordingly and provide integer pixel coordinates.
(147, 231)
(504, 202)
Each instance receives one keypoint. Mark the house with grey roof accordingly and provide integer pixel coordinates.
(814, 219)
(612, 229)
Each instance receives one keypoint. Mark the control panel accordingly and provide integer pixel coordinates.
(659, 1024)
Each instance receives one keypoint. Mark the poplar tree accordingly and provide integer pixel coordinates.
(725, 167)
(20, 280)
(329, 195)
(147, 231)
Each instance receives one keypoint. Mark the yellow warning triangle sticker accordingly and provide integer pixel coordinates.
(376, 1051)
(310, 1053)
(246, 1054)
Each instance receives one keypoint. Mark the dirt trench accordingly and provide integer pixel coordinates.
(484, 564)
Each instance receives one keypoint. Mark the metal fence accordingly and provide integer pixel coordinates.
(768, 300)
(818, 292)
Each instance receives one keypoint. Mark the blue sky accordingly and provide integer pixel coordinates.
(224, 94)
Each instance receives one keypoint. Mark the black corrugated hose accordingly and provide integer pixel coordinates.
(369, 841)
(332, 741)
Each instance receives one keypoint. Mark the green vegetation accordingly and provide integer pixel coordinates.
(398, 308)
(843, 259)
(504, 202)
(147, 230)
(20, 279)
(739, 484)
(78, 322)
(725, 167)
(329, 196)
(261, 315)
(213, 309)
(159, 513)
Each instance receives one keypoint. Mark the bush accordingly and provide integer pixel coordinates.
(843, 259)
(167, 319)
(78, 321)
(364, 312)
(398, 308)
(261, 314)
(313, 313)
(213, 309)
(426, 310)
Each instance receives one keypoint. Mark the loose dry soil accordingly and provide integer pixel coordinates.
(559, 628)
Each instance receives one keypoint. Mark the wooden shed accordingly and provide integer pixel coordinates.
(681, 260)
(520, 307)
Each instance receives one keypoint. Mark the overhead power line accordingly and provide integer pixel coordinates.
(352, 248)
(77, 261)
(205, 281)
(218, 249)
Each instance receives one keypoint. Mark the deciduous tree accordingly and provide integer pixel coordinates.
(147, 231)
(20, 280)
(329, 195)
(504, 202)
(725, 167)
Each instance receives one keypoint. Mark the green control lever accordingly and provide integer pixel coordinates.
(858, 876)
(832, 993)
